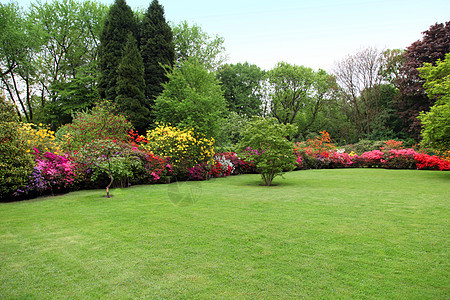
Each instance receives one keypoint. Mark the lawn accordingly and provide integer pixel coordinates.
(347, 233)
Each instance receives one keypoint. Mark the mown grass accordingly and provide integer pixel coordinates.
(323, 234)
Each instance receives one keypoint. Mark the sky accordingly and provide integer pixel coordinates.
(314, 34)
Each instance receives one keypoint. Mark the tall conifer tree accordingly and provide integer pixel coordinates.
(130, 86)
(119, 23)
(157, 49)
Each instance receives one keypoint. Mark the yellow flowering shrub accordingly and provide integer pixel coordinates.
(184, 147)
(39, 137)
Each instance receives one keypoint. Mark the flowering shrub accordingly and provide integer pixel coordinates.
(226, 165)
(431, 162)
(340, 159)
(372, 158)
(184, 147)
(400, 159)
(393, 144)
(239, 165)
(314, 147)
(51, 172)
(102, 122)
(40, 138)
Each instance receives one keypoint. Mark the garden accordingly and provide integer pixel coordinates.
(136, 163)
(367, 220)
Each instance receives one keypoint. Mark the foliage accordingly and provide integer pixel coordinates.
(265, 144)
(102, 122)
(19, 43)
(183, 147)
(192, 98)
(436, 122)
(119, 23)
(366, 94)
(191, 42)
(7, 111)
(16, 165)
(230, 129)
(130, 87)
(242, 88)
(157, 50)
(413, 99)
(66, 63)
(291, 88)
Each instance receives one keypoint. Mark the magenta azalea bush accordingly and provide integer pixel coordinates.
(52, 172)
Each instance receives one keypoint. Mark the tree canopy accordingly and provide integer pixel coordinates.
(192, 98)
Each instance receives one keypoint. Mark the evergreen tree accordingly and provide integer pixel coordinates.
(119, 23)
(157, 50)
(130, 86)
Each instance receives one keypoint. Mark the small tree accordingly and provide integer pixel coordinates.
(107, 156)
(265, 144)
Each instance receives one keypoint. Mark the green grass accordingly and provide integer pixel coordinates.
(323, 234)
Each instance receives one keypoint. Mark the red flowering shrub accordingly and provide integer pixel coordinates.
(431, 162)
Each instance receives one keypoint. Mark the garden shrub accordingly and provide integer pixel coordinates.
(40, 138)
(184, 148)
(16, 165)
(52, 172)
(400, 159)
(431, 162)
(265, 144)
(102, 122)
(372, 158)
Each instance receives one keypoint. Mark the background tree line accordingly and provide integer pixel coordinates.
(60, 57)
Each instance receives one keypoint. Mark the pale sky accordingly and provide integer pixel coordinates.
(315, 34)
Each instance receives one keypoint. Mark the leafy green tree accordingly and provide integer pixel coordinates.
(193, 42)
(19, 43)
(264, 143)
(192, 98)
(120, 22)
(157, 50)
(291, 87)
(130, 86)
(241, 84)
(67, 60)
(436, 122)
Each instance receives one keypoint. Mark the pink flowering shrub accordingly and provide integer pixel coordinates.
(340, 159)
(400, 159)
(372, 158)
(51, 172)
